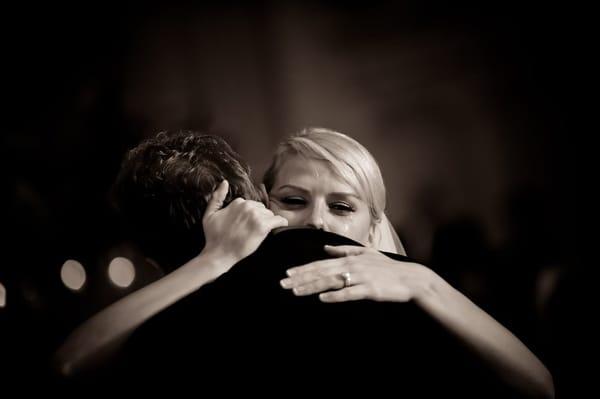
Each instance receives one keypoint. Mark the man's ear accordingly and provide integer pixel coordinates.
(264, 196)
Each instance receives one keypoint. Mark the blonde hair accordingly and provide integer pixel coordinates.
(347, 158)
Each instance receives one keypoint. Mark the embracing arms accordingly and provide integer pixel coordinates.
(377, 277)
(102, 334)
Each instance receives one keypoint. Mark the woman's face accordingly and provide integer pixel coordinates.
(308, 193)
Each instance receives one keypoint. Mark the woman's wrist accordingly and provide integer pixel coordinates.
(215, 261)
(429, 287)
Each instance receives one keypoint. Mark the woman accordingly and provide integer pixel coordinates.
(324, 156)
(327, 180)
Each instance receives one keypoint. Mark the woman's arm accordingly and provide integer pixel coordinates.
(97, 338)
(375, 276)
(513, 361)
(100, 336)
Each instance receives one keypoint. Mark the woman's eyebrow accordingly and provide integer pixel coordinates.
(344, 194)
(292, 187)
(335, 194)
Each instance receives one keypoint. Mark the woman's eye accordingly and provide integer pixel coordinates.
(342, 207)
(293, 200)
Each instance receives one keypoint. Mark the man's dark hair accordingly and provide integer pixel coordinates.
(163, 186)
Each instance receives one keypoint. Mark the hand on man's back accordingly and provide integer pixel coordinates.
(237, 230)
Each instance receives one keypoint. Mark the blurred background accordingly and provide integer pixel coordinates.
(463, 105)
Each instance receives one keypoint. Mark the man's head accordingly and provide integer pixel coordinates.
(163, 186)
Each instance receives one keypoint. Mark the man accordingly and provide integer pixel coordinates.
(164, 190)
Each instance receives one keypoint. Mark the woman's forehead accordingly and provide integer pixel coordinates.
(308, 172)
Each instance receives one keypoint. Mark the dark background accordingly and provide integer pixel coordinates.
(465, 107)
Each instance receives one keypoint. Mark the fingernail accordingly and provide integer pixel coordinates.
(286, 282)
(298, 290)
(290, 272)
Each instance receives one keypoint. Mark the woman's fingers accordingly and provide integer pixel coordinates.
(353, 293)
(324, 280)
(315, 266)
(325, 284)
(275, 221)
(372, 275)
(264, 217)
(318, 270)
(236, 230)
(217, 198)
(344, 250)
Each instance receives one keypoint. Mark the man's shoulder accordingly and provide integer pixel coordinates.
(299, 245)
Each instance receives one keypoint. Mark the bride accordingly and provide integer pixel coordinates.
(325, 180)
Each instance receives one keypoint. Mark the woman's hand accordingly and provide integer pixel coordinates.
(374, 276)
(368, 275)
(236, 231)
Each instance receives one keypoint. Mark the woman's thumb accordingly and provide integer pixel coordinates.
(218, 197)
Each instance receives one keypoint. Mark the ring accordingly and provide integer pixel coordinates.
(346, 277)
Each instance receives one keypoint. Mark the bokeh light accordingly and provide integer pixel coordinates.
(121, 272)
(2, 296)
(73, 275)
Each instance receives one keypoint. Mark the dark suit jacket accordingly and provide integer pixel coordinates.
(244, 330)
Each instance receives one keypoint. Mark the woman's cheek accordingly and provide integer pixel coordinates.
(347, 228)
(341, 227)
(275, 208)
(352, 227)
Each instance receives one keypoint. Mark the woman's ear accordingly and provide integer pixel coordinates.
(373, 239)
(264, 196)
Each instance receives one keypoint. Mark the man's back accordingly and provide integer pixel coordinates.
(245, 329)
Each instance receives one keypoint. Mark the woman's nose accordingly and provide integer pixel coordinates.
(315, 218)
